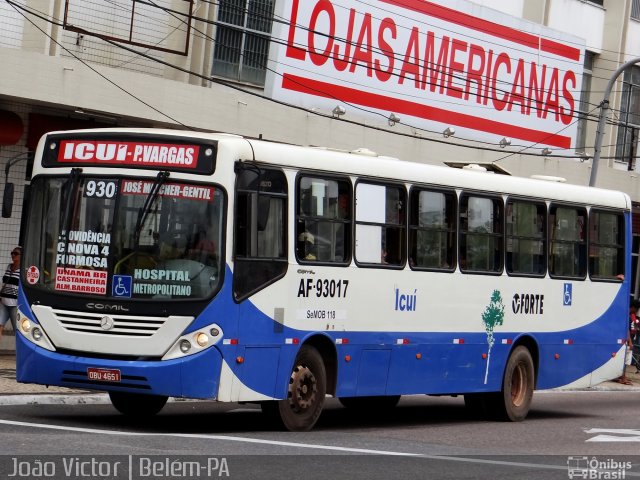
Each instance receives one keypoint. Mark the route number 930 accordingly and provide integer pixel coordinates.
(100, 189)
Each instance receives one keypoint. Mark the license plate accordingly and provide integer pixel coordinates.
(103, 374)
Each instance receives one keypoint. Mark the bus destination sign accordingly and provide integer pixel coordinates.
(129, 153)
(174, 154)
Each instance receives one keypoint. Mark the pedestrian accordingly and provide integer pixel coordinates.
(9, 291)
(635, 338)
(631, 325)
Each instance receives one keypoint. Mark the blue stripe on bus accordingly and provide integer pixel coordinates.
(377, 365)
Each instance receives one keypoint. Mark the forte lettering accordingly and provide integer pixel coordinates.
(528, 303)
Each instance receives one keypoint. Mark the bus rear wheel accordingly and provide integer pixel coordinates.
(137, 405)
(514, 401)
(300, 411)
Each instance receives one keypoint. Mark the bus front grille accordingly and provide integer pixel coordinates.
(108, 324)
(111, 334)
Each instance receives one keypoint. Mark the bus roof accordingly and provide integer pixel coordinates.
(364, 163)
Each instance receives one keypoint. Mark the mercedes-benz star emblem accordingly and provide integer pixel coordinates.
(106, 322)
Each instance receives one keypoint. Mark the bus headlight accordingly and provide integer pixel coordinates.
(185, 345)
(34, 333)
(25, 325)
(37, 334)
(202, 339)
(194, 342)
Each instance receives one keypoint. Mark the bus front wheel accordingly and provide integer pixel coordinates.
(137, 405)
(300, 411)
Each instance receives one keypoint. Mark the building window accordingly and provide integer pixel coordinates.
(629, 126)
(583, 112)
(242, 40)
(635, 9)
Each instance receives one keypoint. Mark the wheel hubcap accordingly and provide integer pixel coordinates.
(302, 388)
(518, 389)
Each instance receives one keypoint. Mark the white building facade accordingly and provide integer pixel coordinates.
(513, 85)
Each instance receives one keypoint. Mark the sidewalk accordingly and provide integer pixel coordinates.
(14, 393)
(9, 387)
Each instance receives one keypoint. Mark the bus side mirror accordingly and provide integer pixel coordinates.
(264, 204)
(7, 200)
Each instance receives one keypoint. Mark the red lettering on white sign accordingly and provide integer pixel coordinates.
(491, 74)
(79, 280)
(129, 153)
(174, 190)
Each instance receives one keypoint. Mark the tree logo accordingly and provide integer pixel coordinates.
(492, 316)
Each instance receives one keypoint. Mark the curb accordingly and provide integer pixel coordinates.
(62, 399)
(68, 399)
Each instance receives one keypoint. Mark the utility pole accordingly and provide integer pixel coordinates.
(604, 107)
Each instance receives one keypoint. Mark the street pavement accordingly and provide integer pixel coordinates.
(14, 393)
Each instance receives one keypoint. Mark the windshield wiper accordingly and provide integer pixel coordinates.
(72, 189)
(146, 207)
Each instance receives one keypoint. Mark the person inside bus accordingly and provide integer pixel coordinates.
(9, 291)
(204, 249)
(306, 246)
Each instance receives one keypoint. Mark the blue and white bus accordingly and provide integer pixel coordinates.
(164, 263)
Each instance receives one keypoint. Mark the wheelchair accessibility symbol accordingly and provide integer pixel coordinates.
(568, 294)
(121, 286)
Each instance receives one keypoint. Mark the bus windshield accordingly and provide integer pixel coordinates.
(124, 238)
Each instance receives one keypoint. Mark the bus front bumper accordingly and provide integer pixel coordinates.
(193, 376)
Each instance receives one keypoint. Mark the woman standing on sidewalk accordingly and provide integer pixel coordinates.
(633, 307)
(635, 339)
(9, 291)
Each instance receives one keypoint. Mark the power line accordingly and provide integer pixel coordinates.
(459, 82)
(96, 71)
(227, 84)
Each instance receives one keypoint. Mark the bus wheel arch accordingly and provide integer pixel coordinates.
(327, 351)
(530, 344)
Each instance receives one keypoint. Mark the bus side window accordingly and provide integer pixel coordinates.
(432, 229)
(606, 245)
(260, 236)
(526, 238)
(323, 220)
(481, 234)
(567, 242)
(380, 224)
